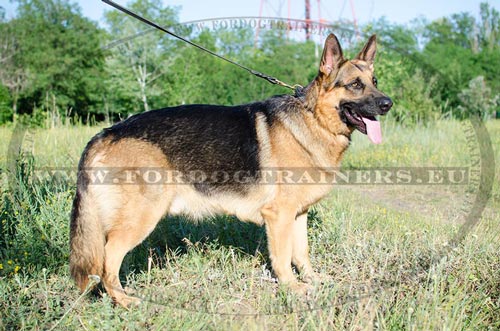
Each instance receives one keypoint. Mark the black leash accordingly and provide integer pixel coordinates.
(270, 79)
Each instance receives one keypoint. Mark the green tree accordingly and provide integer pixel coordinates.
(136, 64)
(197, 77)
(59, 52)
(478, 99)
(461, 48)
(13, 76)
(5, 105)
(489, 28)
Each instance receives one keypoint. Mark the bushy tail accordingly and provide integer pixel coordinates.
(87, 239)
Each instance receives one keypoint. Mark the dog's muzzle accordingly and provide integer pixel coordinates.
(362, 116)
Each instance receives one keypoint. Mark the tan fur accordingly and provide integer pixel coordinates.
(113, 219)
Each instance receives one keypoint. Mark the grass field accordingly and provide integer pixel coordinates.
(385, 251)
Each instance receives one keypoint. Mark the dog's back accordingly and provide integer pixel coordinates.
(201, 160)
(219, 151)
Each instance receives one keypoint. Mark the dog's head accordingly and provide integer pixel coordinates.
(345, 91)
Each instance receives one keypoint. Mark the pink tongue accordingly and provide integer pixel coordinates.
(373, 130)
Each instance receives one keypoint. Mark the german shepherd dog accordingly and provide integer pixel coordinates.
(308, 130)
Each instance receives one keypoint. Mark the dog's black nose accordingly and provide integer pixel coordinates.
(384, 104)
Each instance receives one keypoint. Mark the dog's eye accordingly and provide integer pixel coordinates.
(356, 85)
(375, 81)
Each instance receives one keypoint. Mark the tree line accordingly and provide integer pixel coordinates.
(57, 64)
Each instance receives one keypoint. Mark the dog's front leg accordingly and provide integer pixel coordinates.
(300, 249)
(279, 229)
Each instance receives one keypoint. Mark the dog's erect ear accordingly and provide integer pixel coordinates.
(367, 54)
(332, 56)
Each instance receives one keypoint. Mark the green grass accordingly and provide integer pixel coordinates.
(384, 251)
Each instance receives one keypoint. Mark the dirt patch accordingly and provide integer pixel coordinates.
(446, 203)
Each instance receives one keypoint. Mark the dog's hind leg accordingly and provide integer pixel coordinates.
(132, 224)
(124, 190)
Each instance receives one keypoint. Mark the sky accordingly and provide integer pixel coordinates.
(397, 11)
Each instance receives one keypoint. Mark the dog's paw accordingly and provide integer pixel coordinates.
(314, 278)
(127, 301)
(302, 289)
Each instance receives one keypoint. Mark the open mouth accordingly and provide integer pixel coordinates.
(368, 125)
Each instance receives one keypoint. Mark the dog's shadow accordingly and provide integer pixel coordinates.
(177, 234)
